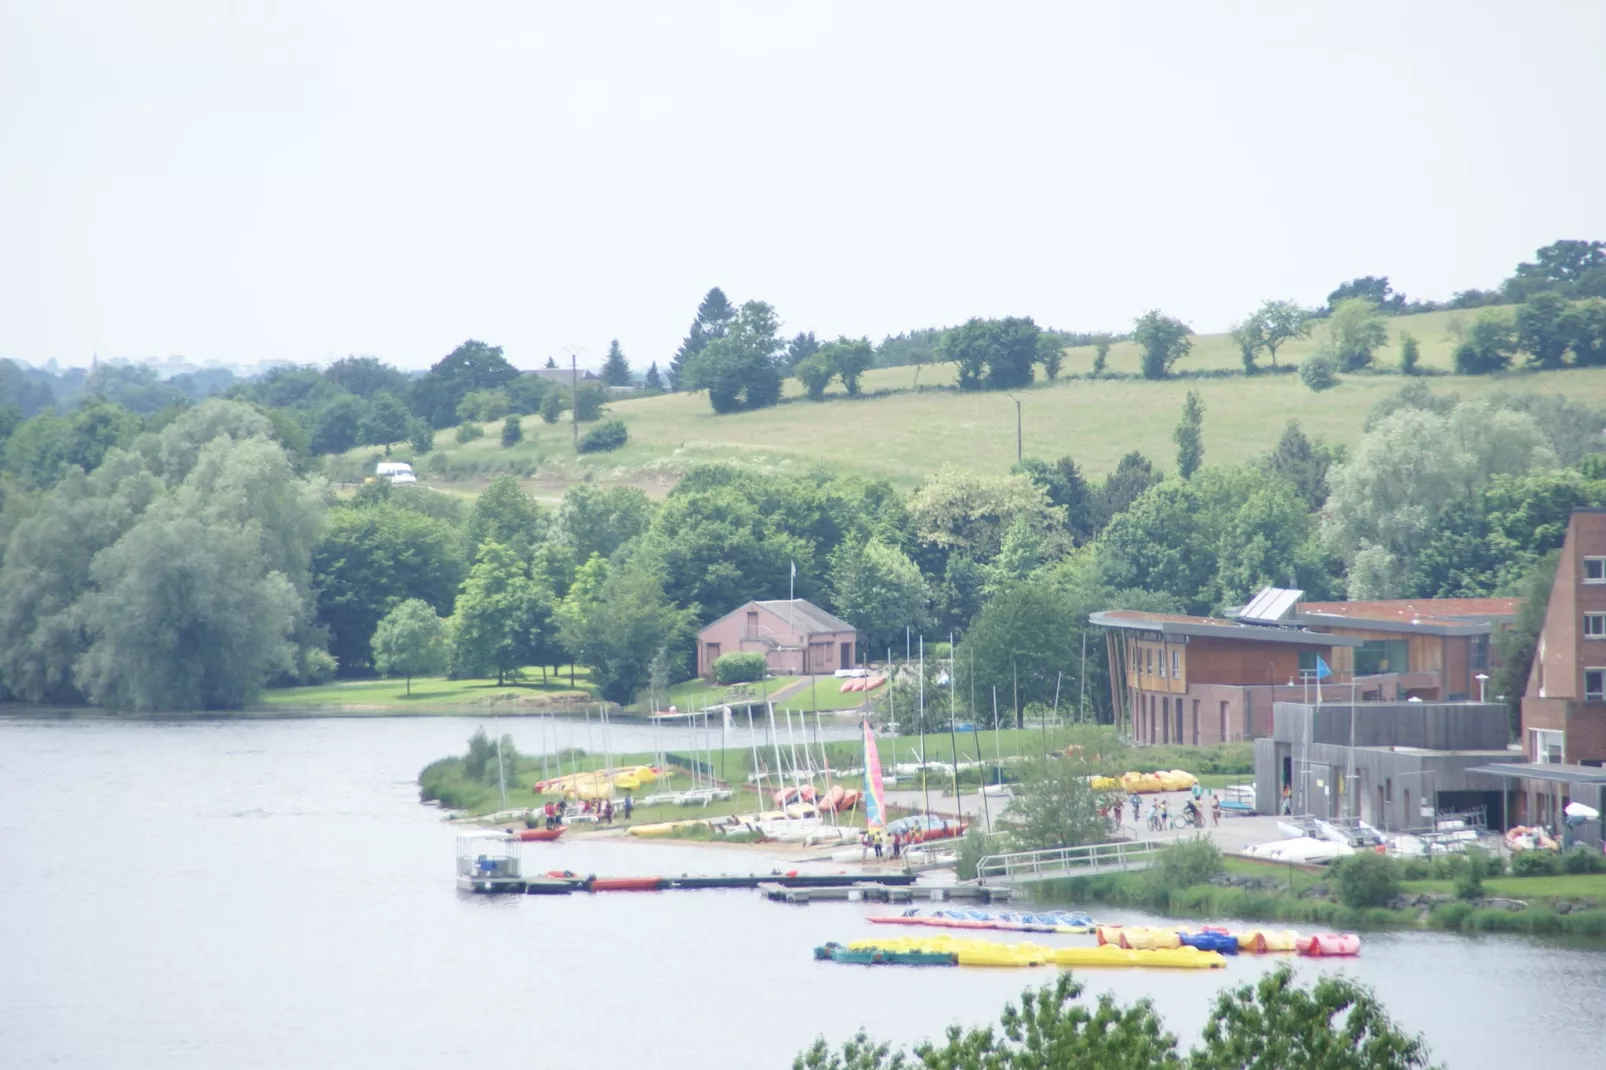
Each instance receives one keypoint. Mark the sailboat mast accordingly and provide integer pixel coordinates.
(925, 785)
(758, 775)
(775, 742)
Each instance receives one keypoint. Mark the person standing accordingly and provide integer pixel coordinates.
(629, 806)
(875, 841)
(1215, 808)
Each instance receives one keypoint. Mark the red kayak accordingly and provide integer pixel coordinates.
(627, 884)
(527, 835)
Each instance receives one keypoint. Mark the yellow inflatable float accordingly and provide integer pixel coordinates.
(975, 952)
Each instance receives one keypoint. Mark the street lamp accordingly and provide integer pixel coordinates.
(1483, 680)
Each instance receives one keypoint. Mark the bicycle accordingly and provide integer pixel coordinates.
(1182, 821)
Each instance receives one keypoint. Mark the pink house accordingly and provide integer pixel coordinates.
(797, 638)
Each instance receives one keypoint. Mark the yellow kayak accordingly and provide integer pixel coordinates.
(1110, 955)
(1139, 938)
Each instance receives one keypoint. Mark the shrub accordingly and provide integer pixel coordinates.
(421, 437)
(738, 668)
(1488, 347)
(1365, 880)
(1410, 353)
(609, 435)
(1535, 864)
(1415, 869)
(815, 375)
(552, 405)
(468, 431)
(1583, 860)
(1470, 884)
(1184, 864)
(1319, 371)
(588, 402)
(1450, 915)
(512, 431)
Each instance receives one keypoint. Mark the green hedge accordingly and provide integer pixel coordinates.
(608, 435)
(739, 668)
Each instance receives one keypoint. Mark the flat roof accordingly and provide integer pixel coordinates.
(1554, 772)
(1214, 628)
(1431, 616)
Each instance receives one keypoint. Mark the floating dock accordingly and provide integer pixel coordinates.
(882, 892)
(555, 883)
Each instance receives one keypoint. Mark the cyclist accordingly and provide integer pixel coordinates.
(1192, 814)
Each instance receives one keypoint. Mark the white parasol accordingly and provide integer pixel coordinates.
(1578, 809)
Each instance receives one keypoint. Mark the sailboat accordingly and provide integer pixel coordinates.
(873, 798)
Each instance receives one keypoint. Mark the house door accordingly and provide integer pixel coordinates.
(847, 656)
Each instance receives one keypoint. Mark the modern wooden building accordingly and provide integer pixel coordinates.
(1205, 680)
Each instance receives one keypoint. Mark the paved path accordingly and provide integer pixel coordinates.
(1232, 835)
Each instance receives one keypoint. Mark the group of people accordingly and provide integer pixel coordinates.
(879, 841)
(602, 808)
(1158, 815)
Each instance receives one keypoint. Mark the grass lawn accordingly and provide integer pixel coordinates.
(697, 693)
(430, 693)
(902, 435)
(1567, 886)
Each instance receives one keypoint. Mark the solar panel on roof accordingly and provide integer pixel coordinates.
(1271, 604)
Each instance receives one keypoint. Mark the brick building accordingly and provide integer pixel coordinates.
(1564, 706)
(1205, 680)
(796, 637)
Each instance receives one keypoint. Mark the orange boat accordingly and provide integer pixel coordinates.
(832, 800)
(540, 834)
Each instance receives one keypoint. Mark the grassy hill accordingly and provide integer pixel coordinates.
(901, 433)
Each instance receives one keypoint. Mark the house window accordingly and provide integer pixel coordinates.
(1176, 673)
(1480, 653)
(1307, 663)
(1595, 570)
(1162, 664)
(1375, 656)
(1148, 661)
(1548, 746)
(1595, 625)
(1595, 684)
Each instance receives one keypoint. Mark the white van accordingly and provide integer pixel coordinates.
(396, 472)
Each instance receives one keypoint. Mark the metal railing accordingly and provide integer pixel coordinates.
(1053, 862)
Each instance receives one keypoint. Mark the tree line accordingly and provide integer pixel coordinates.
(199, 563)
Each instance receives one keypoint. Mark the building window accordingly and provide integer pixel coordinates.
(1595, 570)
(1480, 653)
(1595, 625)
(1148, 661)
(1375, 656)
(1595, 684)
(1162, 664)
(1176, 673)
(1548, 746)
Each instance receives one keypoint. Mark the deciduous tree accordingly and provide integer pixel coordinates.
(410, 641)
(880, 591)
(1163, 340)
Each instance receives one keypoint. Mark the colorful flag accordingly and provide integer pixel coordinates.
(875, 811)
(1322, 671)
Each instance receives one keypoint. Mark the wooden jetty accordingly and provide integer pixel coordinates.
(882, 892)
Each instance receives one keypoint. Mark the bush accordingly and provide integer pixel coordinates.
(1319, 371)
(815, 375)
(609, 435)
(512, 431)
(1536, 864)
(1451, 915)
(1184, 864)
(421, 437)
(552, 405)
(1583, 860)
(1470, 884)
(1365, 880)
(468, 431)
(1410, 353)
(588, 402)
(738, 668)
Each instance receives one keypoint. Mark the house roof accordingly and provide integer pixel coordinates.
(1407, 609)
(563, 375)
(810, 616)
(1214, 628)
(1554, 772)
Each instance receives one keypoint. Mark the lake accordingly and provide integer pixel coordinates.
(270, 893)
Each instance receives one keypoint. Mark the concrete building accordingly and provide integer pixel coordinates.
(796, 637)
(1410, 761)
(1204, 680)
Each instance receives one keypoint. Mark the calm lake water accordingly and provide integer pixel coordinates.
(271, 894)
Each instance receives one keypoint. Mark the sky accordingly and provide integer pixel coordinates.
(250, 181)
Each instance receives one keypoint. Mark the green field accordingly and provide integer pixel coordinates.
(433, 694)
(900, 434)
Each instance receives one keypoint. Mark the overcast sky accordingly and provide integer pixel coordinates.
(239, 182)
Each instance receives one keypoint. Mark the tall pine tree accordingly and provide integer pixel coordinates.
(713, 317)
(653, 381)
(616, 370)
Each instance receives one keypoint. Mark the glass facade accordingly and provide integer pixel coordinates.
(1376, 656)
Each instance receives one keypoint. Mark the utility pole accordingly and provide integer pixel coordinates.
(574, 401)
